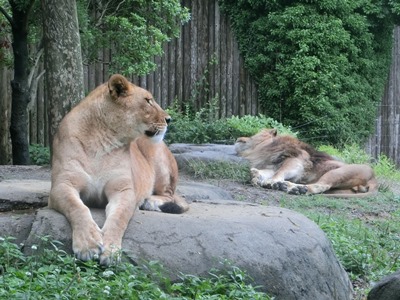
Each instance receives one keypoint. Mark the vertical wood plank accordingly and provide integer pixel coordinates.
(223, 66)
(217, 51)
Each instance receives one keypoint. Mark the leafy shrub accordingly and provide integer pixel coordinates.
(321, 65)
(351, 154)
(250, 125)
(39, 154)
(203, 126)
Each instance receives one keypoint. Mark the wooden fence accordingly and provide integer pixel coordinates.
(385, 139)
(200, 66)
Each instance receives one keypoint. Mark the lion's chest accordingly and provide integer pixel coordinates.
(93, 194)
(98, 173)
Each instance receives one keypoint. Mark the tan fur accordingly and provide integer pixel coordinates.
(108, 152)
(288, 164)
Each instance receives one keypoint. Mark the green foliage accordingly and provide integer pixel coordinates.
(6, 58)
(50, 273)
(135, 30)
(386, 168)
(220, 285)
(351, 154)
(319, 65)
(383, 167)
(250, 125)
(364, 252)
(204, 127)
(39, 154)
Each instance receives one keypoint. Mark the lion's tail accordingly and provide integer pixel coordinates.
(178, 206)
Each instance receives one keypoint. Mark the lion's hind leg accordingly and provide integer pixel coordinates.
(166, 204)
(353, 178)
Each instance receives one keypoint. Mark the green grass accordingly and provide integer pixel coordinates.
(50, 273)
(219, 170)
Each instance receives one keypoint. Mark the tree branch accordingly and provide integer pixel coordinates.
(33, 90)
(35, 66)
(7, 16)
(33, 81)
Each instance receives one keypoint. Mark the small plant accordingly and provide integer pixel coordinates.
(39, 154)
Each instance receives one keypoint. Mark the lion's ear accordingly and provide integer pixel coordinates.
(118, 86)
(274, 132)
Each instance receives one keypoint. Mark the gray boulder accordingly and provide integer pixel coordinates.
(387, 289)
(284, 252)
(206, 153)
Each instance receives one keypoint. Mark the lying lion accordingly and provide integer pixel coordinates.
(287, 164)
(108, 152)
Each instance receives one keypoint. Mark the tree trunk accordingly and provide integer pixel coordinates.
(63, 59)
(19, 87)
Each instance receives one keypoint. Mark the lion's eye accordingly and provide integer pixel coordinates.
(149, 101)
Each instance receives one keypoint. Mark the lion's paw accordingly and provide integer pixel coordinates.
(268, 184)
(151, 205)
(256, 177)
(280, 186)
(87, 243)
(111, 255)
(297, 189)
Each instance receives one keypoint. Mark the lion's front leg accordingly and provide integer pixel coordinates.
(87, 241)
(122, 202)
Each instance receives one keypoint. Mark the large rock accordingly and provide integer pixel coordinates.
(283, 251)
(16, 225)
(207, 153)
(387, 289)
(23, 194)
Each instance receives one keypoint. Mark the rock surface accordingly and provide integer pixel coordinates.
(387, 289)
(284, 252)
(206, 153)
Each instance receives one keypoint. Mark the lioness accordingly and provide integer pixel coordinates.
(108, 152)
(287, 164)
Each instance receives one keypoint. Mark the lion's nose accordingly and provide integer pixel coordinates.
(168, 119)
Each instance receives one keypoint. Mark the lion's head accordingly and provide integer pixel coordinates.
(135, 109)
(245, 145)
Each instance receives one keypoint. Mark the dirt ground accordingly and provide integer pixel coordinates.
(242, 191)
